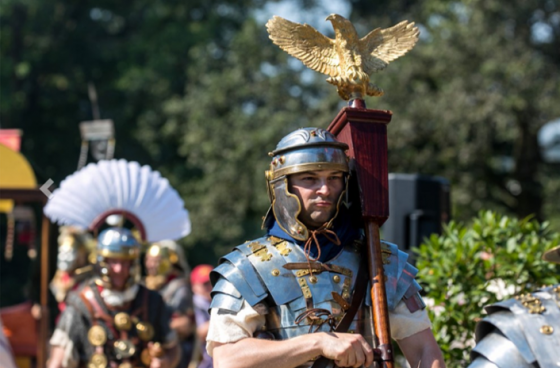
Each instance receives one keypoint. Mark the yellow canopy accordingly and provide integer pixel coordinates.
(15, 173)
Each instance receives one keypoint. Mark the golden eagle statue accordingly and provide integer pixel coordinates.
(347, 60)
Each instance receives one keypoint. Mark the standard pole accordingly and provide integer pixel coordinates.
(378, 295)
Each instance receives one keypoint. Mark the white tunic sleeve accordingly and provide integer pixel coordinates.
(61, 339)
(226, 328)
(404, 324)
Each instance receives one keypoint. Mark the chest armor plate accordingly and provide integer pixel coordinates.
(316, 292)
(272, 275)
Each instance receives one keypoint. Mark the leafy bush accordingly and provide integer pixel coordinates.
(469, 267)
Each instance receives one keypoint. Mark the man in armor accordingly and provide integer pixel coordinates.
(72, 263)
(522, 332)
(113, 320)
(299, 293)
(166, 272)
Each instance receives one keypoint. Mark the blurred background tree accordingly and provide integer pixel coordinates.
(198, 92)
(471, 97)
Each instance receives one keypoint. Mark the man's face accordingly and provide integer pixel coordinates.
(318, 192)
(152, 264)
(119, 271)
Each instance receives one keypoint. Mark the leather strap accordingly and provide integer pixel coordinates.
(357, 298)
(344, 324)
(97, 312)
(317, 267)
(89, 308)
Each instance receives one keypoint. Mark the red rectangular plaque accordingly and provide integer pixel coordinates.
(367, 129)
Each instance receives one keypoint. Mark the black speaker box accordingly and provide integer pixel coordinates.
(418, 206)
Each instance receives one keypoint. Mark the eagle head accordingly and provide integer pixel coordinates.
(335, 18)
(342, 26)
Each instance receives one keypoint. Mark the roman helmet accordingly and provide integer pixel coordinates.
(117, 243)
(139, 196)
(552, 255)
(170, 256)
(306, 149)
(74, 248)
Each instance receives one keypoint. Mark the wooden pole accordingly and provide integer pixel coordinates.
(378, 294)
(44, 321)
(365, 132)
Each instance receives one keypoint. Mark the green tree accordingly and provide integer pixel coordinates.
(470, 266)
(470, 98)
(241, 98)
(198, 91)
(195, 89)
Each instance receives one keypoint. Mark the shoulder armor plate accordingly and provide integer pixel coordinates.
(269, 264)
(400, 277)
(235, 276)
(529, 324)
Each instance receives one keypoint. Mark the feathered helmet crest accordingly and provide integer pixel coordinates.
(87, 198)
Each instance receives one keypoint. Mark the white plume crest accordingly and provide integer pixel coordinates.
(120, 185)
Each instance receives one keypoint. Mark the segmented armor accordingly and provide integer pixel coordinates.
(522, 332)
(274, 277)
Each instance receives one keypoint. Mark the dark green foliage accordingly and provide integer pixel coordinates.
(195, 89)
(470, 266)
(198, 91)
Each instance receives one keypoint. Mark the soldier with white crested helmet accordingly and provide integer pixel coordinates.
(113, 320)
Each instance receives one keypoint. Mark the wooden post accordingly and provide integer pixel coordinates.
(365, 132)
(44, 322)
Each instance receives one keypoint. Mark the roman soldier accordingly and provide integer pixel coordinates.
(523, 331)
(72, 262)
(299, 292)
(113, 320)
(167, 272)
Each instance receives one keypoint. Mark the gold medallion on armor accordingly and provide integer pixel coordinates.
(97, 360)
(145, 331)
(122, 321)
(124, 349)
(145, 357)
(97, 335)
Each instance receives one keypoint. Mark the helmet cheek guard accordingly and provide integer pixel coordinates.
(286, 208)
(306, 149)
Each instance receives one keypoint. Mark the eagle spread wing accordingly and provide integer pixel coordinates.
(381, 46)
(304, 42)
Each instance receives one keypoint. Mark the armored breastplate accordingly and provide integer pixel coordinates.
(118, 337)
(520, 332)
(274, 277)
